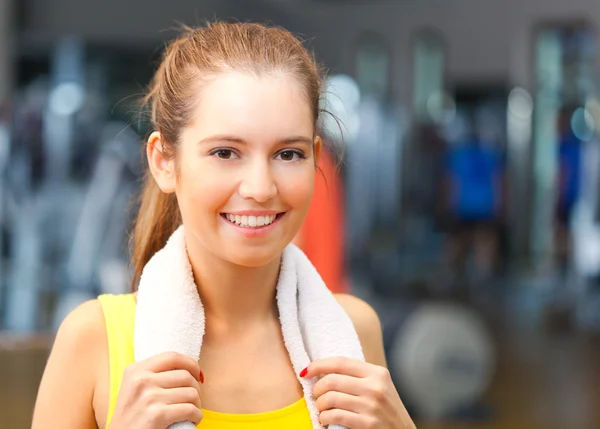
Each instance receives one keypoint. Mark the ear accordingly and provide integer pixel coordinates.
(162, 169)
(317, 147)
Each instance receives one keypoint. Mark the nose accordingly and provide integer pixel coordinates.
(258, 183)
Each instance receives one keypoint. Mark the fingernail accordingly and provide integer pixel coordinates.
(201, 377)
(304, 372)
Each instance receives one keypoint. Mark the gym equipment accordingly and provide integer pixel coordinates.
(98, 258)
(441, 356)
(71, 180)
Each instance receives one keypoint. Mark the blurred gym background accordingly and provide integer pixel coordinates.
(470, 186)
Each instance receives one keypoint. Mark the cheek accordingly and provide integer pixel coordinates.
(297, 188)
(203, 188)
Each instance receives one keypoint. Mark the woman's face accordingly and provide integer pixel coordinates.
(247, 167)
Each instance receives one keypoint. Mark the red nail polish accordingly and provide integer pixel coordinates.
(201, 377)
(304, 372)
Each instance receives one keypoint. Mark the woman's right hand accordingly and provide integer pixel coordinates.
(159, 391)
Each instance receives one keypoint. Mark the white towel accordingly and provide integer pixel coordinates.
(170, 315)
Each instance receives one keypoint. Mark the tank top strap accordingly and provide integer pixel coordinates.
(119, 318)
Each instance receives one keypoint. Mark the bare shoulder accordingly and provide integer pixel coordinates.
(86, 316)
(367, 325)
(363, 316)
(66, 392)
(82, 331)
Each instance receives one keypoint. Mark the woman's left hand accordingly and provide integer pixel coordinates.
(357, 394)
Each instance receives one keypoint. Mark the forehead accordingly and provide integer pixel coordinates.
(273, 105)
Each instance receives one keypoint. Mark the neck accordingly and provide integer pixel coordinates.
(234, 297)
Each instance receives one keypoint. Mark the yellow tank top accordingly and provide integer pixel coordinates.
(119, 316)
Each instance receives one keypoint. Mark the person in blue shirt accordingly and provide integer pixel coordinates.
(474, 171)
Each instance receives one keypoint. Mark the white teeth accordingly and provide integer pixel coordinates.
(251, 221)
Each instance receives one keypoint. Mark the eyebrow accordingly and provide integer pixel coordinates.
(234, 139)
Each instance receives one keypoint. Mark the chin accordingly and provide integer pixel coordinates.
(253, 256)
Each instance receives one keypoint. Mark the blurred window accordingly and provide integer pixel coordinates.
(429, 56)
(372, 63)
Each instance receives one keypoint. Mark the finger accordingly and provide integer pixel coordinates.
(339, 383)
(176, 413)
(179, 395)
(171, 360)
(178, 379)
(343, 418)
(342, 401)
(175, 378)
(336, 365)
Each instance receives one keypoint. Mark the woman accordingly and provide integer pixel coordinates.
(233, 158)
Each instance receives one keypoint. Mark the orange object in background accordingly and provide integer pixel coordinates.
(322, 234)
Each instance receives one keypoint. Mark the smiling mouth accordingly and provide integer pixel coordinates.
(251, 221)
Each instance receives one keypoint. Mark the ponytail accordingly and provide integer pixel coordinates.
(157, 219)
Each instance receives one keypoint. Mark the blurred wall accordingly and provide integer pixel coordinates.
(482, 57)
(135, 21)
(487, 40)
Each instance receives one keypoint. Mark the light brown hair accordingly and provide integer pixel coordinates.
(199, 54)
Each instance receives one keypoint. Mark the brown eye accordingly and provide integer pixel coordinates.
(288, 155)
(291, 155)
(224, 153)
